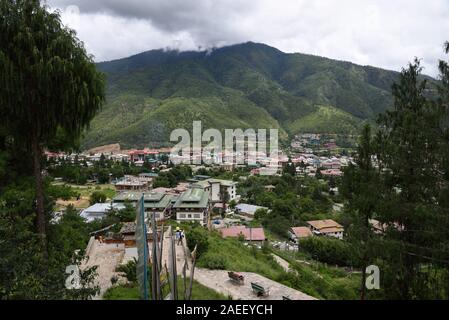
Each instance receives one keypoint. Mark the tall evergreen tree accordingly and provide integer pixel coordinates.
(361, 188)
(48, 83)
(413, 145)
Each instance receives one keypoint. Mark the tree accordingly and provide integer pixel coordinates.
(48, 84)
(102, 161)
(127, 214)
(413, 159)
(224, 195)
(361, 189)
(198, 237)
(103, 176)
(410, 139)
(289, 168)
(97, 197)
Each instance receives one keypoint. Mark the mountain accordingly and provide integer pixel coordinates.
(247, 85)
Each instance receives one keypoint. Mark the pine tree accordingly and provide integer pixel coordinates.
(413, 145)
(361, 188)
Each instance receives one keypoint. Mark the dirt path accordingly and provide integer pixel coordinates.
(107, 257)
(283, 263)
(181, 251)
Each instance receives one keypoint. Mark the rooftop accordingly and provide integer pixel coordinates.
(327, 225)
(250, 234)
(208, 182)
(302, 232)
(248, 208)
(192, 198)
(151, 199)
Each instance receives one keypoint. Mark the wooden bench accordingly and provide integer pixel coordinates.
(259, 290)
(236, 277)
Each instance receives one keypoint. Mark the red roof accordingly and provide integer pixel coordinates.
(302, 232)
(144, 151)
(254, 234)
(332, 172)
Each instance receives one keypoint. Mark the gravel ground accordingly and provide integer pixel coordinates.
(219, 281)
(107, 257)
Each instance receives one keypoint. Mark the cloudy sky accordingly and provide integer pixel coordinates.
(383, 33)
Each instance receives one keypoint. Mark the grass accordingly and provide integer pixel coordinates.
(320, 280)
(131, 292)
(239, 257)
(317, 279)
(86, 191)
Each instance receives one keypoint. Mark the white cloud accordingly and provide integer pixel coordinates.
(382, 33)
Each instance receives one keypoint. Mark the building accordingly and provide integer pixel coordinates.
(328, 228)
(97, 211)
(128, 234)
(133, 183)
(248, 234)
(193, 206)
(298, 233)
(216, 187)
(155, 203)
(332, 173)
(139, 156)
(247, 209)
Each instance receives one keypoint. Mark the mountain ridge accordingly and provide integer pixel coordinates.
(248, 85)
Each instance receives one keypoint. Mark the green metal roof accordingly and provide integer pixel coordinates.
(151, 199)
(192, 198)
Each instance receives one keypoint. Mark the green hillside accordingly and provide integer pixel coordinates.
(242, 86)
(326, 119)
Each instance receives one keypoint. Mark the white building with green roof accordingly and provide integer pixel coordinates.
(193, 205)
(154, 202)
(215, 188)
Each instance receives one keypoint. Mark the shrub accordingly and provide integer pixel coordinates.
(97, 197)
(329, 250)
(214, 262)
(129, 270)
(197, 237)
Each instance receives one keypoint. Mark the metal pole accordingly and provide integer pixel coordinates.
(145, 253)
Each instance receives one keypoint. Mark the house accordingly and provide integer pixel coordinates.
(128, 234)
(149, 175)
(332, 173)
(200, 177)
(247, 209)
(298, 233)
(97, 211)
(132, 183)
(192, 205)
(379, 227)
(139, 156)
(328, 228)
(155, 203)
(248, 234)
(215, 188)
